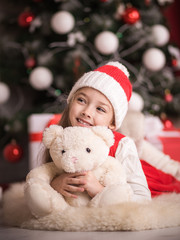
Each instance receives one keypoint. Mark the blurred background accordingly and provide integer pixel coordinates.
(46, 45)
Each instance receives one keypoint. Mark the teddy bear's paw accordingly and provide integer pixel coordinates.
(37, 200)
(113, 194)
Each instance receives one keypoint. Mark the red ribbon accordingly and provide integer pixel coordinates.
(37, 137)
(54, 120)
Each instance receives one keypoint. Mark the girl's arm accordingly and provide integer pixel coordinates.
(127, 154)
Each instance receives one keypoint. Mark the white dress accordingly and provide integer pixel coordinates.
(127, 154)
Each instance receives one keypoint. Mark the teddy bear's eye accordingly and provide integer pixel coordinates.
(63, 151)
(88, 150)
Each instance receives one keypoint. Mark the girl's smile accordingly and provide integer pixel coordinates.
(84, 123)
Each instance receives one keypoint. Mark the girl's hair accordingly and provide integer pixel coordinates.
(64, 121)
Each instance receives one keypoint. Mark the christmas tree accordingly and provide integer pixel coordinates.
(46, 45)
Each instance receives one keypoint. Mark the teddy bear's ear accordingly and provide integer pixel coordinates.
(105, 133)
(51, 133)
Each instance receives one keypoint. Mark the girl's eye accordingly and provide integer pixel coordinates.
(79, 99)
(101, 109)
(88, 150)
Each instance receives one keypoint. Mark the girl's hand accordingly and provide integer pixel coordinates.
(69, 183)
(91, 185)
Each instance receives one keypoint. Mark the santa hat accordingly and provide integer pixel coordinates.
(113, 81)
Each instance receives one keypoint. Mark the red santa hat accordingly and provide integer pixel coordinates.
(113, 81)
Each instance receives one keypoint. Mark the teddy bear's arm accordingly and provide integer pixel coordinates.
(40, 197)
(116, 190)
(111, 172)
(46, 172)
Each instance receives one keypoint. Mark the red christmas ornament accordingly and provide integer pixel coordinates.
(168, 124)
(168, 97)
(174, 62)
(30, 62)
(25, 19)
(12, 152)
(131, 15)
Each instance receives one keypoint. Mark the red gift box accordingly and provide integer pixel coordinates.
(36, 125)
(170, 140)
(163, 137)
(158, 180)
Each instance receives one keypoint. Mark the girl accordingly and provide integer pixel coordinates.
(101, 97)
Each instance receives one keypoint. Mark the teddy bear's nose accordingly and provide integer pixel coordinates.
(74, 159)
(63, 151)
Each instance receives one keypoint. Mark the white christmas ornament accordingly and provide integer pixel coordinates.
(41, 78)
(154, 59)
(136, 102)
(160, 35)
(4, 92)
(62, 22)
(106, 42)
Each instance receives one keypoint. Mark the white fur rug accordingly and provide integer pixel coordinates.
(161, 212)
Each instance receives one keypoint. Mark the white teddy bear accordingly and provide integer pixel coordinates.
(76, 149)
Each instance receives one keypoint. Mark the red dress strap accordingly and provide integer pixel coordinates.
(117, 137)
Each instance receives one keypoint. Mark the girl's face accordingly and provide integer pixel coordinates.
(90, 108)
